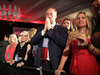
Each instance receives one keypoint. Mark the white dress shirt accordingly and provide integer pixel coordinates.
(42, 33)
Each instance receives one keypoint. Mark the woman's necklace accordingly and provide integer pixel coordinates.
(22, 45)
(83, 34)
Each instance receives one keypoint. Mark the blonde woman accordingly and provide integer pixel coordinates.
(22, 50)
(32, 32)
(83, 61)
(11, 48)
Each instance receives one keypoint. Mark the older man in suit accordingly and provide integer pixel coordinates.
(51, 40)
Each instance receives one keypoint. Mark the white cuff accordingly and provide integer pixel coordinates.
(42, 33)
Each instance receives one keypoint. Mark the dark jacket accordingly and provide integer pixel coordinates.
(3, 45)
(56, 45)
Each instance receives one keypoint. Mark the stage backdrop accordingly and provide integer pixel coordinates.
(18, 30)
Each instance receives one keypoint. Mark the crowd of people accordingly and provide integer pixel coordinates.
(73, 48)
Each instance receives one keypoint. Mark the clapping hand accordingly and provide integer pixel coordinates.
(47, 24)
(12, 62)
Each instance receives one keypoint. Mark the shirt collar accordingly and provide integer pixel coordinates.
(52, 26)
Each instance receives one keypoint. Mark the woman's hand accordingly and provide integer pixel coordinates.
(12, 62)
(83, 40)
(19, 65)
(58, 71)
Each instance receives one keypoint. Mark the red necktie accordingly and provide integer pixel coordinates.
(44, 53)
(34, 53)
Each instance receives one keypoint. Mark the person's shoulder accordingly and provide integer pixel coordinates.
(1, 42)
(28, 43)
(4, 42)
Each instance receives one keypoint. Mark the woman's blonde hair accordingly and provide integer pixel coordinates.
(32, 31)
(88, 26)
(14, 36)
(24, 33)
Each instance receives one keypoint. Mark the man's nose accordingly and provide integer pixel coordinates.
(49, 15)
(96, 6)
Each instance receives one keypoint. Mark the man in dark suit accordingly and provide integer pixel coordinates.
(3, 45)
(95, 5)
(96, 39)
(51, 40)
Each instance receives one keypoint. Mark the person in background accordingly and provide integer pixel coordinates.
(3, 45)
(22, 50)
(11, 48)
(68, 24)
(51, 40)
(94, 7)
(32, 32)
(95, 4)
(83, 62)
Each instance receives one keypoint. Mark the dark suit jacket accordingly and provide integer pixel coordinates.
(96, 30)
(57, 41)
(3, 45)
